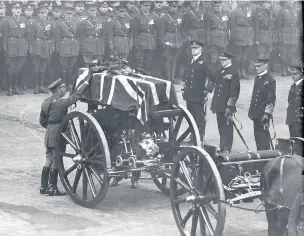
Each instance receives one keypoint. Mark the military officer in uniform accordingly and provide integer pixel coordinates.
(67, 44)
(94, 36)
(2, 58)
(121, 33)
(226, 94)
(53, 110)
(262, 104)
(171, 38)
(143, 32)
(27, 71)
(295, 104)
(243, 30)
(265, 29)
(289, 27)
(195, 89)
(217, 32)
(42, 47)
(15, 32)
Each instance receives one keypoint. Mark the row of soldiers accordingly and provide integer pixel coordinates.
(52, 40)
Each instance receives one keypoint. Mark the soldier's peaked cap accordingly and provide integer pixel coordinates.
(28, 7)
(55, 84)
(43, 7)
(196, 43)
(69, 9)
(226, 55)
(79, 3)
(16, 5)
(103, 4)
(92, 6)
(145, 3)
(173, 3)
(261, 61)
(2, 4)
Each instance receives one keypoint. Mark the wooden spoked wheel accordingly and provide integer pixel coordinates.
(183, 130)
(202, 210)
(83, 158)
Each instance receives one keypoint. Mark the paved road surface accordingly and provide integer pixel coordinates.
(124, 211)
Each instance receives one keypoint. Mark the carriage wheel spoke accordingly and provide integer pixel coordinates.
(93, 161)
(93, 149)
(179, 200)
(76, 180)
(69, 141)
(187, 217)
(202, 225)
(181, 183)
(74, 134)
(64, 154)
(206, 219)
(211, 209)
(84, 185)
(97, 176)
(183, 136)
(87, 139)
(90, 181)
(186, 173)
(175, 130)
(82, 132)
(194, 222)
(68, 171)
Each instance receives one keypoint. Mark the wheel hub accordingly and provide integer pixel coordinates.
(78, 159)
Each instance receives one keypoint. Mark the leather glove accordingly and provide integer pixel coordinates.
(265, 121)
(228, 113)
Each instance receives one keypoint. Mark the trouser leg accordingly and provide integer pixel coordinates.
(36, 62)
(261, 135)
(197, 111)
(44, 180)
(226, 132)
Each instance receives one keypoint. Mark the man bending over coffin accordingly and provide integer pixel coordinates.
(53, 109)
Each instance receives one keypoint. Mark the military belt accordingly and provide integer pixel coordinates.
(54, 122)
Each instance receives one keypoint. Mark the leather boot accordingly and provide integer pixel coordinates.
(53, 190)
(44, 180)
(10, 92)
(17, 91)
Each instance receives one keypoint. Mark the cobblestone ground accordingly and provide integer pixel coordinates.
(124, 211)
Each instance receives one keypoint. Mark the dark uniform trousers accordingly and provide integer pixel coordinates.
(14, 65)
(262, 102)
(226, 93)
(295, 102)
(3, 71)
(195, 79)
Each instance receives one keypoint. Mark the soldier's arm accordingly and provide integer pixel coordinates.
(81, 33)
(233, 24)
(5, 32)
(295, 215)
(185, 25)
(211, 76)
(135, 30)
(234, 90)
(31, 30)
(279, 24)
(162, 23)
(208, 27)
(256, 25)
(57, 36)
(108, 30)
(271, 97)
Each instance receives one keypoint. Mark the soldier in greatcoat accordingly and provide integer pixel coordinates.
(121, 28)
(3, 82)
(42, 46)
(217, 31)
(15, 47)
(67, 44)
(53, 109)
(296, 217)
(289, 26)
(295, 104)
(266, 35)
(171, 38)
(27, 71)
(262, 104)
(94, 36)
(195, 89)
(226, 94)
(243, 33)
(143, 32)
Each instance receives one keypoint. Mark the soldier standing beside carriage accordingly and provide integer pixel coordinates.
(262, 104)
(2, 56)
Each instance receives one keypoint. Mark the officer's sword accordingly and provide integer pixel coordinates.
(230, 119)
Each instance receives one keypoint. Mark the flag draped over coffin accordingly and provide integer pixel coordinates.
(126, 93)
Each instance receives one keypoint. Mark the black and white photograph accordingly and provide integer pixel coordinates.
(151, 118)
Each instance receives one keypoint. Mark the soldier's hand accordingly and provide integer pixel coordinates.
(265, 119)
(257, 43)
(228, 113)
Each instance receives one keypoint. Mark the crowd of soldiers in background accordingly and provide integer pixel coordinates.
(45, 40)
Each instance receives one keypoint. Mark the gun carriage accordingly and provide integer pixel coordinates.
(133, 125)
